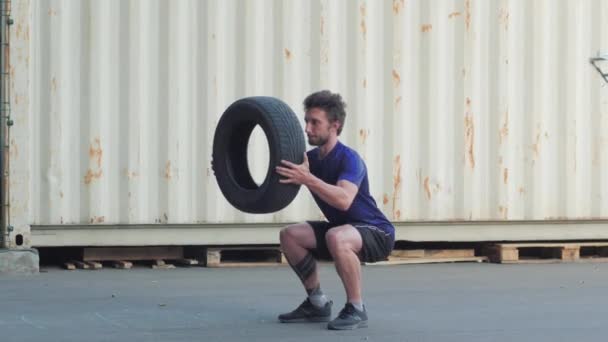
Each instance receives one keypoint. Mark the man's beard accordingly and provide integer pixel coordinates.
(318, 141)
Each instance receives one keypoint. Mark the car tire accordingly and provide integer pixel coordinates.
(229, 161)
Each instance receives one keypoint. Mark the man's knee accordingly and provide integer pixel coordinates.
(298, 234)
(335, 240)
(288, 234)
(340, 240)
(283, 235)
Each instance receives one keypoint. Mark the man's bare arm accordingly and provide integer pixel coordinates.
(339, 196)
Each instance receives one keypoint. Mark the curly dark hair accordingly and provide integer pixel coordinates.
(331, 103)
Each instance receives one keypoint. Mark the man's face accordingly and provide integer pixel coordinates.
(318, 127)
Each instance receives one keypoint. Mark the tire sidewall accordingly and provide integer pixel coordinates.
(256, 200)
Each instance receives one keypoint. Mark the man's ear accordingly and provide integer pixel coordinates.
(336, 124)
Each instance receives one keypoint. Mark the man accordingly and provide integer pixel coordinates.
(355, 230)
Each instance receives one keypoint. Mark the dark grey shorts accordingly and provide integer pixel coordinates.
(377, 245)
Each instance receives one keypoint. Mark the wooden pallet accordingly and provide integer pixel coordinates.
(550, 252)
(408, 261)
(83, 265)
(432, 253)
(121, 264)
(170, 257)
(132, 253)
(247, 256)
(157, 257)
(429, 256)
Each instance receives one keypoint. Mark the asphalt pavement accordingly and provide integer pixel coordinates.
(430, 302)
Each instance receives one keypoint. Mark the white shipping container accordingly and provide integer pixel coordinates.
(479, 114)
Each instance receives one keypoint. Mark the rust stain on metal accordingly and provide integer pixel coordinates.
(504, 130)
(52, 12)
(505, 175)
(322, 25)
(398, 214)
(363, 134)
(426, 28)
(363, 25)
(396, 78)
(397, 101)
(396, 184)
(503, 18)
(385, 199)
(521, 190)
(398, 5)
(14, 150)
(454, 14)
(95, 155)
(288, 54)
(363, 29)
(324, 55)
(469, 134)
(467, 20)
(365, 83)
(131, 174)
(98, 219)
(504, 212)
(168, 171)
(90, 176)
(536, 146)
(96, 152)
(427, 188)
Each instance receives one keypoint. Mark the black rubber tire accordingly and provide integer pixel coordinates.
(230, 166)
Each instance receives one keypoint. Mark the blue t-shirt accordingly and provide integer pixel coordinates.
(345, 163)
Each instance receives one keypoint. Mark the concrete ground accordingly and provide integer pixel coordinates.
(433, 302)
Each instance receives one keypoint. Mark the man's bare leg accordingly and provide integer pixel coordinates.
(344, 243)
(296, 241)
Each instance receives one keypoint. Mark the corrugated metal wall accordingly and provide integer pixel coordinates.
(463, 110)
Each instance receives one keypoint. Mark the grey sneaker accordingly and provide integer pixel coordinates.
(307, 312)
(349, 318)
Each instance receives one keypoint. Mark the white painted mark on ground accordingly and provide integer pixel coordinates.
(107, 320)
(27, 321)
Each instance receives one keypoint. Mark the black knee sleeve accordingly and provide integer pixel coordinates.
(305, 267)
